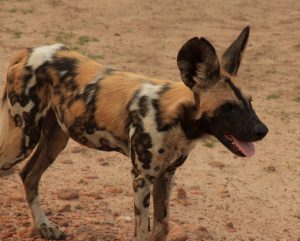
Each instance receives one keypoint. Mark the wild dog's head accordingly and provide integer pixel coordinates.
(221, 108)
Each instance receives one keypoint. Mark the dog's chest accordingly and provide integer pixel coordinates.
(155, 145)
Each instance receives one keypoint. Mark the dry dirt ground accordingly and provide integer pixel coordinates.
(227, 198)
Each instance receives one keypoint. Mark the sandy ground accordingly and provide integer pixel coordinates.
(227, 198)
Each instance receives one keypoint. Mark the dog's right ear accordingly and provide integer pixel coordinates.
(232, 57)
(198, 63)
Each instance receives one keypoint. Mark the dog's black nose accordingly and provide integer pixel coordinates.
(260, 131)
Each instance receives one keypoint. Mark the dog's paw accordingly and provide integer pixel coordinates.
(51, 231)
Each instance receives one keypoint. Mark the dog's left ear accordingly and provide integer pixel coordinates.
(232, 57)
(198, 64)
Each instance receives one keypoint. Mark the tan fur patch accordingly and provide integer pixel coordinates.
(77, 109)
(212, 98)
(171, 101)
(10, 137)
(16, 71)
(110, 110)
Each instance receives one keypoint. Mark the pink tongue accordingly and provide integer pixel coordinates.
(247, 148)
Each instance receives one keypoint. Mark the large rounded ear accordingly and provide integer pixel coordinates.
(232, 57)
(198, 63)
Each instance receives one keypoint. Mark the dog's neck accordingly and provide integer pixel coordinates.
(178, 105)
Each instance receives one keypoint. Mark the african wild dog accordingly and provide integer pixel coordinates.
(52, 94)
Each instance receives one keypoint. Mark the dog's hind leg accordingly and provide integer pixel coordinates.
(25, 101)
(52, 141)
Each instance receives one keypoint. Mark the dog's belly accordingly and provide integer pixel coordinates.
(102, 140)
(86, 132)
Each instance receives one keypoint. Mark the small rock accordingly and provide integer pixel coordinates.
(297, 215)
(67, 161)
(191, 228)
(6, 235)
(65, 224)
(229, 226)
(26, 224)
(224, 193)
(104, 164)
(216, 164)
(203, 233)
(48, 212)
(114, 190)
(98, 196)
(176, 233)
(66, 208)
(100, 160)
(17, 196)
(68, 194)
(126, 219)
(196, 192)
(77, 149)
(91, 177)
(270, 169)
(83, 182)
(181, 194)
(93, 238)
(79, 207)
(25, 233)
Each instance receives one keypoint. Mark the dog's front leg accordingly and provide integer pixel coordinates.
(161, 195)
(141, 208)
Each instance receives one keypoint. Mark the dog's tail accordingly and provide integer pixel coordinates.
(25, 102)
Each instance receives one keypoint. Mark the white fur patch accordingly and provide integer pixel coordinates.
(38, 213)
(42, 54)
(39, 56)
(18, 109)
(149, 121)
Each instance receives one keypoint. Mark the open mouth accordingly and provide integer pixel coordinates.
(238, 147)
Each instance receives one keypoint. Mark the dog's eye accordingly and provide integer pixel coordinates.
(228, 107)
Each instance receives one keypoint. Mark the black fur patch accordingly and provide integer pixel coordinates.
(32, 125)
(146, 201)
(177, 163)
(192, 128)
(143, 106)
(155, 103)
(138, 183)
(18, 120)
(237, 92)
(141, 141)
(66, 69)
(4, 96)
(136, 210)
(150, 178)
